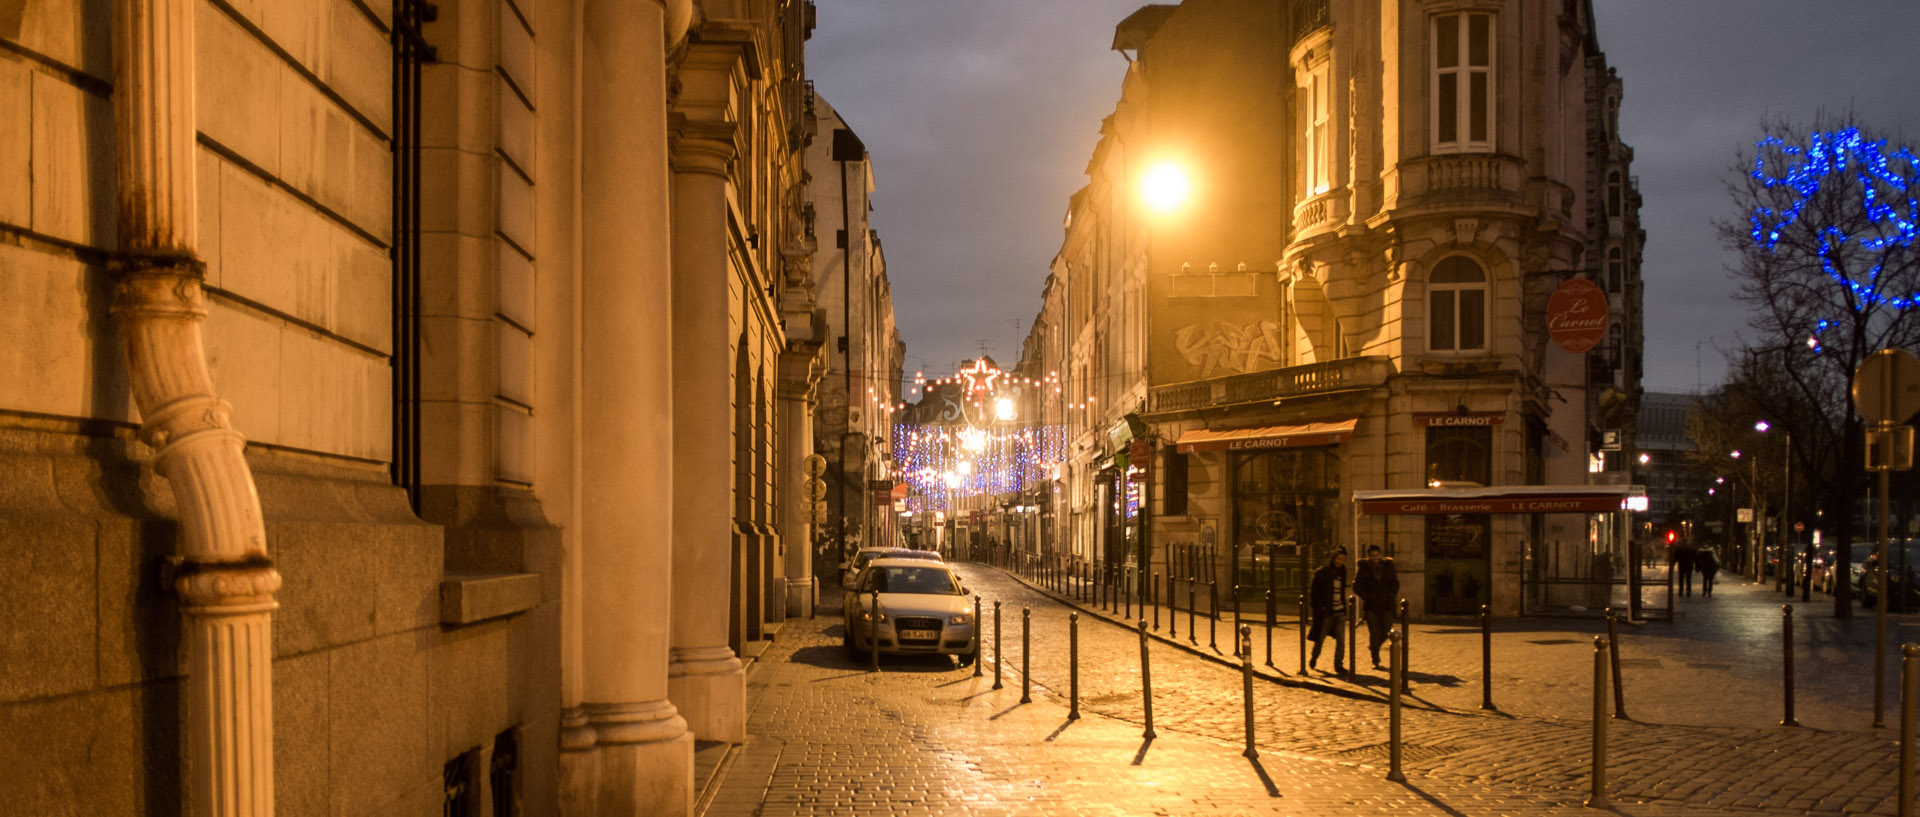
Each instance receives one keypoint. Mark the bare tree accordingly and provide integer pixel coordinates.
(1827, 262)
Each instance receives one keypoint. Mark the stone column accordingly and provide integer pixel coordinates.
(706, 679)
(796, 436)
(625, 748)
(225, 579)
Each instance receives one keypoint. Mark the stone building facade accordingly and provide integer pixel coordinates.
(398, 410)
(1353, 298)
(863, 356)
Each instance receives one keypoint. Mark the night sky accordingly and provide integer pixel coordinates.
(981, 116)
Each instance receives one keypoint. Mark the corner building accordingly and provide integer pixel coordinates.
(1354, 297)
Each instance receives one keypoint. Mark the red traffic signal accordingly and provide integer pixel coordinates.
(1670, 537)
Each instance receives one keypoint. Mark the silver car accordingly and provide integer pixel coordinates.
(923, 609)
(850, 570)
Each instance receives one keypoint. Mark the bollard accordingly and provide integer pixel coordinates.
(1598, 799)
(1073, 666)
(1213, 616)
(1880, 619)
(1234, 596)
(1193, 632)
(979, 644)
(1303, 633)
(1126, 586)
(1026, 650)
(1353, 623)
(996, 643)
(1270, 612)
(1173, 610)
(1786, 661)
(1486, 658)
(1146, 680)
(873, 632)
(1613, 657)
(1245, 648)
(1406, 648)
(1155, 590)
(1909, 691)
(1394, 642)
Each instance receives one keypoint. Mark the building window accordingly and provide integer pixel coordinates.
(1459, 456)
(1614, 194)
(1615, 270)
(1456, 306)
(1463, 83)
(1319, 164)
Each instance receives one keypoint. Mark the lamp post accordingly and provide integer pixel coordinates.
(1786, 502)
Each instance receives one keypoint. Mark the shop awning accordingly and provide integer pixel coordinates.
(1265, 437)
(1499, 499)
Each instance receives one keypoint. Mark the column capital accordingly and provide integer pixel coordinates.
(703, 147)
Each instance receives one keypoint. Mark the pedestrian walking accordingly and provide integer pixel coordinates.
(1329, 600)
(1708, 564)
(1379, 587)
(1684, 557)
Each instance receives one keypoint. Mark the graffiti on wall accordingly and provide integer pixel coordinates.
(1227, 348)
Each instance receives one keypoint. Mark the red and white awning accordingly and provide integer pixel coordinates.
(1499, 499)
(1266, 437)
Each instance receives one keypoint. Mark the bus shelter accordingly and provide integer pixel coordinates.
(1521, 549)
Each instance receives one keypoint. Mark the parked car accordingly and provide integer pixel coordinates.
(924, 609)
(850, 569)
(1901, 584)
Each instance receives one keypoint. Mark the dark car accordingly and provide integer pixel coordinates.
(1902, 585)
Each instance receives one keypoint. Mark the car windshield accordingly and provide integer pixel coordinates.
(933, 581)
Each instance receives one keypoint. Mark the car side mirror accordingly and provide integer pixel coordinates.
(964, 591)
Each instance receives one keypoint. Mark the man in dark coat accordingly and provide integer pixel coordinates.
(1378, 585)
(1329, 602)
(1708, 564)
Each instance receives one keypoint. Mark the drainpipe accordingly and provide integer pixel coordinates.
(225, 580)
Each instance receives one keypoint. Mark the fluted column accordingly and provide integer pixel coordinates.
(706, 679)
(625, 748)
(225, 579)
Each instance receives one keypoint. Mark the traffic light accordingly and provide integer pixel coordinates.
(1670, 537)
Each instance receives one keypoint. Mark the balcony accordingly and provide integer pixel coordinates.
(1310, 16)
(1272, 385)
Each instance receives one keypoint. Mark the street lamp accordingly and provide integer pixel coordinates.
(1786, 502)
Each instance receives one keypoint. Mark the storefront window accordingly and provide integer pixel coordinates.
(1286, 505)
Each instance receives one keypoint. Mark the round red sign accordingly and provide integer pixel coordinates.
(1577, 315)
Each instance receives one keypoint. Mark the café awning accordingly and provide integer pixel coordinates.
(1499, 499)
(1266, 437)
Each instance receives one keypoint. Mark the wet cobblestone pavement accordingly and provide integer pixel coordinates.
(924, 737)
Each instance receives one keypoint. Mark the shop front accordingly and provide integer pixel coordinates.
(1283, 505)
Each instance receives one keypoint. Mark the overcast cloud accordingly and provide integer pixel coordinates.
(981, 115)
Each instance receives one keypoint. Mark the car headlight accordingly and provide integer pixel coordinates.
(962, 618)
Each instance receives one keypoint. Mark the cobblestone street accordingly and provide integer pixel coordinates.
(828, 737)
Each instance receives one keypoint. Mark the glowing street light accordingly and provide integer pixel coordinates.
(1165, 187)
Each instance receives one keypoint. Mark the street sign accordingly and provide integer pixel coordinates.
(814, 465)
(1886, 387)
(816, 488)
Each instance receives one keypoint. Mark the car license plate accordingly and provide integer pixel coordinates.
(920, 635)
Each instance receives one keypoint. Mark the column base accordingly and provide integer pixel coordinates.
(802, 595)
(639, 763)
(709, 686)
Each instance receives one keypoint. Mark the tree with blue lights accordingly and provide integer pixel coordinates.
(1829, 264)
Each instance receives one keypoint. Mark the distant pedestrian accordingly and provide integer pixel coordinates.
(1683, 557)
(1328, 599)
(1378, 585)
(1707, 564)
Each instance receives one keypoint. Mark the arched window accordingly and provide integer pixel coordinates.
(1614, 193)
(1456, 306)
(1615, 269)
